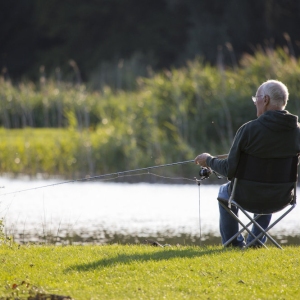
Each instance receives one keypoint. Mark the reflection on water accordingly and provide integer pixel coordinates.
(97, 212)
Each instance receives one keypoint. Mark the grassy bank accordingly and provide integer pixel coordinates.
(146, 272)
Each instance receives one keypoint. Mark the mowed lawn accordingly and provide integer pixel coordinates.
(148, 272)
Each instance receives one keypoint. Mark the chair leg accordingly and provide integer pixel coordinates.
(245, 227)
(264, 231)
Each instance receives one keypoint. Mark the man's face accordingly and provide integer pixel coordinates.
(260, 105)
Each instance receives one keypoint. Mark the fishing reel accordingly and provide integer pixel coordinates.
(204, 172)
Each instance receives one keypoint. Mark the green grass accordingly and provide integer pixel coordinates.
(146, 272)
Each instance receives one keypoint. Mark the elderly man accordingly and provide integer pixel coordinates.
(274, 134)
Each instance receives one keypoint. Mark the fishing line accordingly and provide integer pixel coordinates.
(153, 174)
(148, 173)
(116, 174)
(204, 174)
(172, 178)
(200, 228)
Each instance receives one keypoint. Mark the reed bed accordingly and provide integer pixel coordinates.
(57, 128)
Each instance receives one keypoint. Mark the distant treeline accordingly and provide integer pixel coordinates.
(171, 117)
(99, 41)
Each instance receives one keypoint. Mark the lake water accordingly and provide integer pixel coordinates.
(104, 211)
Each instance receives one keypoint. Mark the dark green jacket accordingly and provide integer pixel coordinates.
(275, 134)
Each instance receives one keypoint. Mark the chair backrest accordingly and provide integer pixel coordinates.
(265, 185)
(267, 170)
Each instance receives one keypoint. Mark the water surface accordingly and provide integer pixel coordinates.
(102, 211)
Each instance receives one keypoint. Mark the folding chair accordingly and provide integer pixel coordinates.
(262, 186)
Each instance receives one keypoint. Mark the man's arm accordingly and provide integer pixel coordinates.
(226, 167)
(218, 165)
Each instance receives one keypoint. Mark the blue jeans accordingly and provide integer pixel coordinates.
(229, 226)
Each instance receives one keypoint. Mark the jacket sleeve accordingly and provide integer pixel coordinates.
(227, 167)
(218, 165)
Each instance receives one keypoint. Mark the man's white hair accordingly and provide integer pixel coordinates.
(277, 91)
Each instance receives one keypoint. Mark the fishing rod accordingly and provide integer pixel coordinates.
(119, 174)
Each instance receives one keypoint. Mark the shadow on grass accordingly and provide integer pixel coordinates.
(160, 255)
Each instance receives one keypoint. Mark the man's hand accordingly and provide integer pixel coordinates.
(201, 159)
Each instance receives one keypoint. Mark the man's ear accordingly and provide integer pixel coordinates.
(266, 100)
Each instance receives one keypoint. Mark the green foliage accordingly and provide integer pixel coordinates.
(146, 272)
(170, 117)
(71, 153)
